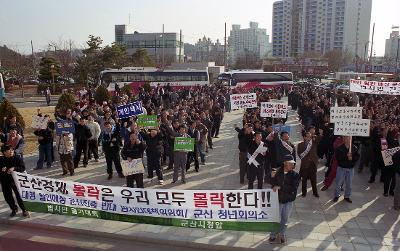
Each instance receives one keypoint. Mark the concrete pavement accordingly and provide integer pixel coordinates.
(369, 223)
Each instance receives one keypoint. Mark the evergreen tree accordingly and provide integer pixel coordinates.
(48, 68)
(101, 94)
(65, 102)
(7, 110)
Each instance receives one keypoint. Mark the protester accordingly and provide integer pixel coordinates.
(15, 140)
(111, 142)
(285, 181)
(180, 157)
(154, 145)
(82, 135)
(255, 161)
(307, 151)
(347, 157)
(95, 131)
(8, 164)
(133, 150)
(194, 133)
(65, 146)
(11, 121)
(45, 139)
(245, 136)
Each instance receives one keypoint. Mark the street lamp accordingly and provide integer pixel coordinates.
(52, 75)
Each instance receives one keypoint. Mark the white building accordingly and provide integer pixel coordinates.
(392, 44)
(206, 51)
(252, 40)
(168, 45)
(301, 26)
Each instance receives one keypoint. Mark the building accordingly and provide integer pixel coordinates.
(392, 45)
(167, 47)
(306, 67)
(305, 26)
(206, 51)
(253, 41)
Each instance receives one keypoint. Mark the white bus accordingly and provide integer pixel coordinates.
(137, 76)
(2, 88)
(255, 79)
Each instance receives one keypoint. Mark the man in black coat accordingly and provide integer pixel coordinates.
(255, 161)
(245, 136)
(112, 142)
(82, 135)
(285, 181)
(9, 163)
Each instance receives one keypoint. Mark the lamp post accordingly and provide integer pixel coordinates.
(52, 76)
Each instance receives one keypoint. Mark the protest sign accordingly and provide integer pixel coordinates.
(39, 122)
(353, 127)
(281, 128)
(129, 110)
(345, 112)
(273, 110)
(388, 154)
(65, 126)
(242, 210)
(147, 121)
(184, 144)
(132, 167)
(375, 87)
(241, 101)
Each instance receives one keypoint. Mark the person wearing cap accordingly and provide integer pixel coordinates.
(285, 181)
(9, 162)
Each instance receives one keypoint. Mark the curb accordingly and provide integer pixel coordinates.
(116, 236)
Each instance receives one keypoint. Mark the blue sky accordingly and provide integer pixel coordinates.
(44, 21)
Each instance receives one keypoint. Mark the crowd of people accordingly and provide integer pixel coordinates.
(266, 154)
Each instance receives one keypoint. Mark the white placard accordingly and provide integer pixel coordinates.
(388, 154)
(375, 87)
(345, 112)
(39, 122)
(274, 110)
(353, 127)
(132, 167)
(241, 101)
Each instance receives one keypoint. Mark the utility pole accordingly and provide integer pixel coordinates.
(225, 49)
(365, 55)
(372, 48)
(397, 54)
(180, 45)
(163, 48)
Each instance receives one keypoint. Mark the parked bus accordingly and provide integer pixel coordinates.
(137, 77)
(255, 79)
(2, 88)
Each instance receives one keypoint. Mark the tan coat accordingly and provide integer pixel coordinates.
(310, 162)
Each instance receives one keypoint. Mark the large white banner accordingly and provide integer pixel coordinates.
(345, 112)
(245, 210)
(353, 127)
(241, 101)
(273, 110)
(388, 154)
(375, 87)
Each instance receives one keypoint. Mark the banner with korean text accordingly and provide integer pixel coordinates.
(352, 127)
(147, 121)
(65, 126)
(243, 210)
(274, 110)
(40, 122)
(388, 154)
(184, 144)
(242, 101)
(375, 87)
(345, 112)
(130, 110)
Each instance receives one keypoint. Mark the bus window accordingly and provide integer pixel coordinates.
(119, 77)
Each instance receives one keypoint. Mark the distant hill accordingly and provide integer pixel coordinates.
(6, 53)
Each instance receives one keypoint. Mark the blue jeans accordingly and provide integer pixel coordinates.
(344, 176)
(285, 210)
(44, 150)
(200, 149)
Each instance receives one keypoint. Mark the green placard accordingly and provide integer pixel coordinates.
(147, 121)
(184, 144)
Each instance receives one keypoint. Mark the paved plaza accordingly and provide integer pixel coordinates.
(369, 223)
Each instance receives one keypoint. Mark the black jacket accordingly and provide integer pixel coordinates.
(46, 135)
(341, 156)
(133, 151)
(108, 144)
(154, 144)
(396, 161)
(244, 140)
(13, 161)
(82, 133)
(288, 184)
(260, 158)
